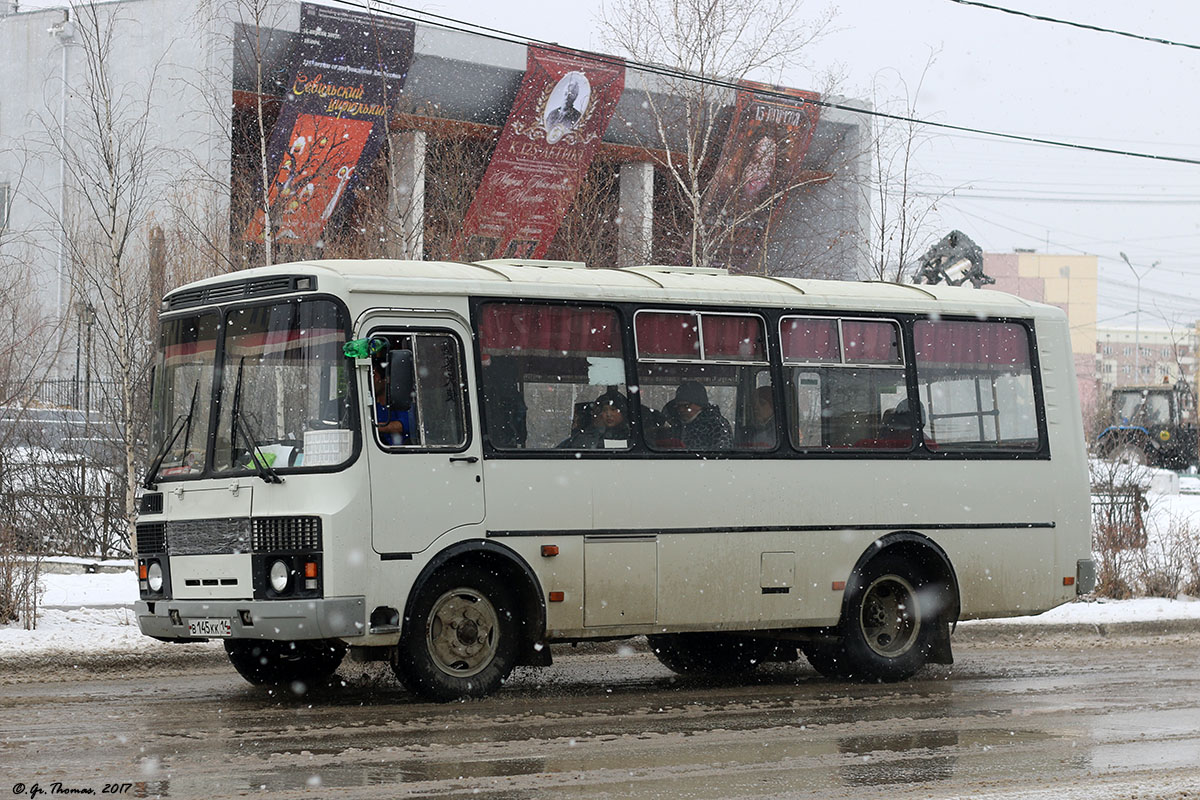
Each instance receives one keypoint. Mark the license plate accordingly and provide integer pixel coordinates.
(209, 627)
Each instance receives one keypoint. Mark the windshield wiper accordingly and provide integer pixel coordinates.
(183, 421)
(239, 425)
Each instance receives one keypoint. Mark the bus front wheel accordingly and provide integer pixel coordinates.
(461, 637)
(297, 664)
(888, 625)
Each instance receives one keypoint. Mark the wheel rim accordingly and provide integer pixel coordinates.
(462, 633)
(890, 617)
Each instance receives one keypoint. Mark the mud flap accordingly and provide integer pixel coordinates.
(939, 646)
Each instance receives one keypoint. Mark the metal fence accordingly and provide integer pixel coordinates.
(51, 505)
(72, 393)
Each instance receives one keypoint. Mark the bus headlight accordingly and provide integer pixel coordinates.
(279, 574)
(154, 577)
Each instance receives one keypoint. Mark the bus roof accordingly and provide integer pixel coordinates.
(556, 279)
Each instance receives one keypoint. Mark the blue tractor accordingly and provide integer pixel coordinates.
(1152, 425)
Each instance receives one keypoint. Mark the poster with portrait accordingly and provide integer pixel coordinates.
(760, 164)
(557, 121)
(350, 69)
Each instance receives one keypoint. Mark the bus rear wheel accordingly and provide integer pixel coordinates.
(299, 664)
(888, 625)
(461, 637)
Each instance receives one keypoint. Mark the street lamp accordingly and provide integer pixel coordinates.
(1137, 318)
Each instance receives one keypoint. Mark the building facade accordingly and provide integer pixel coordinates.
(198, 88)
(1143, 356)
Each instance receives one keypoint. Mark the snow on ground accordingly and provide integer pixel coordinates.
(92, 613)
(99, 590)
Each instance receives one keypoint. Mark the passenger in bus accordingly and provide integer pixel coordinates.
(698, 423)
(760, 433)
(392, 426)
(609, 426)
(612, 409)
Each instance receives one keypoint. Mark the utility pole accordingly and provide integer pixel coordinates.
(1137, 318)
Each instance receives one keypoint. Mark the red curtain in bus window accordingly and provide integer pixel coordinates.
(662, 334)
(871, 342)
(528, 329)
(732, 338)
(807, 340)
(952, 344)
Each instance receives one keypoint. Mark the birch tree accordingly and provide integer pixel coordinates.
(700, 41)
(902, 216)
(111, 170)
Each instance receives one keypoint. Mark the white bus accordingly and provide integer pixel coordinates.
(453, 467)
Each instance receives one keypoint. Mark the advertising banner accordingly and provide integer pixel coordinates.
(759, 164)
(350, 68)
(553, 131)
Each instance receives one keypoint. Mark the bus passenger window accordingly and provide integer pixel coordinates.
(847, 386)
(553, 377)
(697, 373)
(975, 381)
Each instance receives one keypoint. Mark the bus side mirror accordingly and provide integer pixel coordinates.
(401, 380)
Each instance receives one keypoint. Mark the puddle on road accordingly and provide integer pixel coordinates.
(876, 770)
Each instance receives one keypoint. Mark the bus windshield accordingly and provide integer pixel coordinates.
(284, 390)
(183, 394)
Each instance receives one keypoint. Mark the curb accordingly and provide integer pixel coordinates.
(1001, 632)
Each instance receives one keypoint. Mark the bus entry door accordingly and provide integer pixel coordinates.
(428, 480)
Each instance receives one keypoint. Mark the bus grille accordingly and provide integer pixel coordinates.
(197, 537)
(152, 537)
(286, 534)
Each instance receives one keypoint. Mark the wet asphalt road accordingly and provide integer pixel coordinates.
(1054, 717)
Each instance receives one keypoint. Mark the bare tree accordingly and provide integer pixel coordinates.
(28, 346)
(111, 164)
(700, 41)
(901, 216)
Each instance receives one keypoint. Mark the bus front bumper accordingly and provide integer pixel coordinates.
(328, 618)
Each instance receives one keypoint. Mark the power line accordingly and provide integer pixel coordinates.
(1048, 199)
(454, 24)
(1083, 25)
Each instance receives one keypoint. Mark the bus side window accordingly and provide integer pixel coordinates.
(847, 383)
(553, 377)
(440, 418)
(702, 371)
(436, 417)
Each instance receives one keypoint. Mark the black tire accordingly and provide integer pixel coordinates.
(461, 636)
(711, 653)
(298, 665)
(888, 626)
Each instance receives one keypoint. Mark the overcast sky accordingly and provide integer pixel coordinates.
(1004, 73)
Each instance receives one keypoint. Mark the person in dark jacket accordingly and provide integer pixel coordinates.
(700, 424)
(609, 424)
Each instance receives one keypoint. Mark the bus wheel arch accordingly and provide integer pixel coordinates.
(492, 599)
(900, 603)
